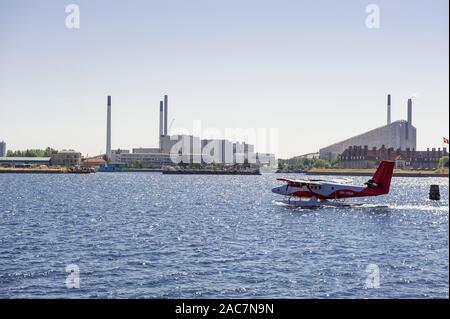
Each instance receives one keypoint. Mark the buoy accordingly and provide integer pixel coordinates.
(434, 192)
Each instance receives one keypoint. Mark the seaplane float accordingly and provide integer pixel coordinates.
(315, 193)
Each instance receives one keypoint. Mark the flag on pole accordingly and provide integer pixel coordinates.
(445, 140)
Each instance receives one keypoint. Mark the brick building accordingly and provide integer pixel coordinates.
(363, 157)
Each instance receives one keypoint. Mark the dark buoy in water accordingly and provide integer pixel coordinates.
(434, 192)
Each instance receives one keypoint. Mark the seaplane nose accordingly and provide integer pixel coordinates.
(277, 190)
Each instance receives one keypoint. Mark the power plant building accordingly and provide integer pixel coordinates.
(177, 149)
(394, 135)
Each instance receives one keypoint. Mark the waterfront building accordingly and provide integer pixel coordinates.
(142, 157)
(94, 162)
(360, 157)
(217, 151)
(115, 155)
(144, 160)
(34, 161)
(66, 158)
(244, 152)
(265, 159)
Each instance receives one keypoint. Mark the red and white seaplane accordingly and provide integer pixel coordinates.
(315, 193)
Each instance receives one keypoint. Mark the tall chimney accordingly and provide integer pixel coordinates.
(409, 124)
(166, 106)
(161, 121)
(108, 129)
(410, 112)
(388, 109)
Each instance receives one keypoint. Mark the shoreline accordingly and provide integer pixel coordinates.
(203, 172)
(31, 171)
(371, 172)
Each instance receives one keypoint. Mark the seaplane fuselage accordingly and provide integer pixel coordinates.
(321, 189)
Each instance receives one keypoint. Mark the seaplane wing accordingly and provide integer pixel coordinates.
(298, 182)
(340, 180)
(315, 182)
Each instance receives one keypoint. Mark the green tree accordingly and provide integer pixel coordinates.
(320, 163)
(443, 162)
(196, 165)
(137, 164)
(32, 153)
(48, 152)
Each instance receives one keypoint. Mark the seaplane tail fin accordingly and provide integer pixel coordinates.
(383, 175)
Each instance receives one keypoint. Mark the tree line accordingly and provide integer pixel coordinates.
(299, 162)
(32, 153)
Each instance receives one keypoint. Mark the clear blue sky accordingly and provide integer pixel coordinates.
(310, 68)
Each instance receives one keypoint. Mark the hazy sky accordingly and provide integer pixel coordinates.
(312, 69)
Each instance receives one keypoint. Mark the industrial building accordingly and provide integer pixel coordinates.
(177, 149)
(395, 135)
(2, 149)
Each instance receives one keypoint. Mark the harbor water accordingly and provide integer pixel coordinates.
(148, 235)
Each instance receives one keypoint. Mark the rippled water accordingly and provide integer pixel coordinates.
(147, 235)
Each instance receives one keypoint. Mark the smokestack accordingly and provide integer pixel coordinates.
(161, 121)
(410, 112)
(108, 129)
(388, 109)
(166, 112)
(409, 124)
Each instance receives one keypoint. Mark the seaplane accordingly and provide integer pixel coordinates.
(315, 193)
